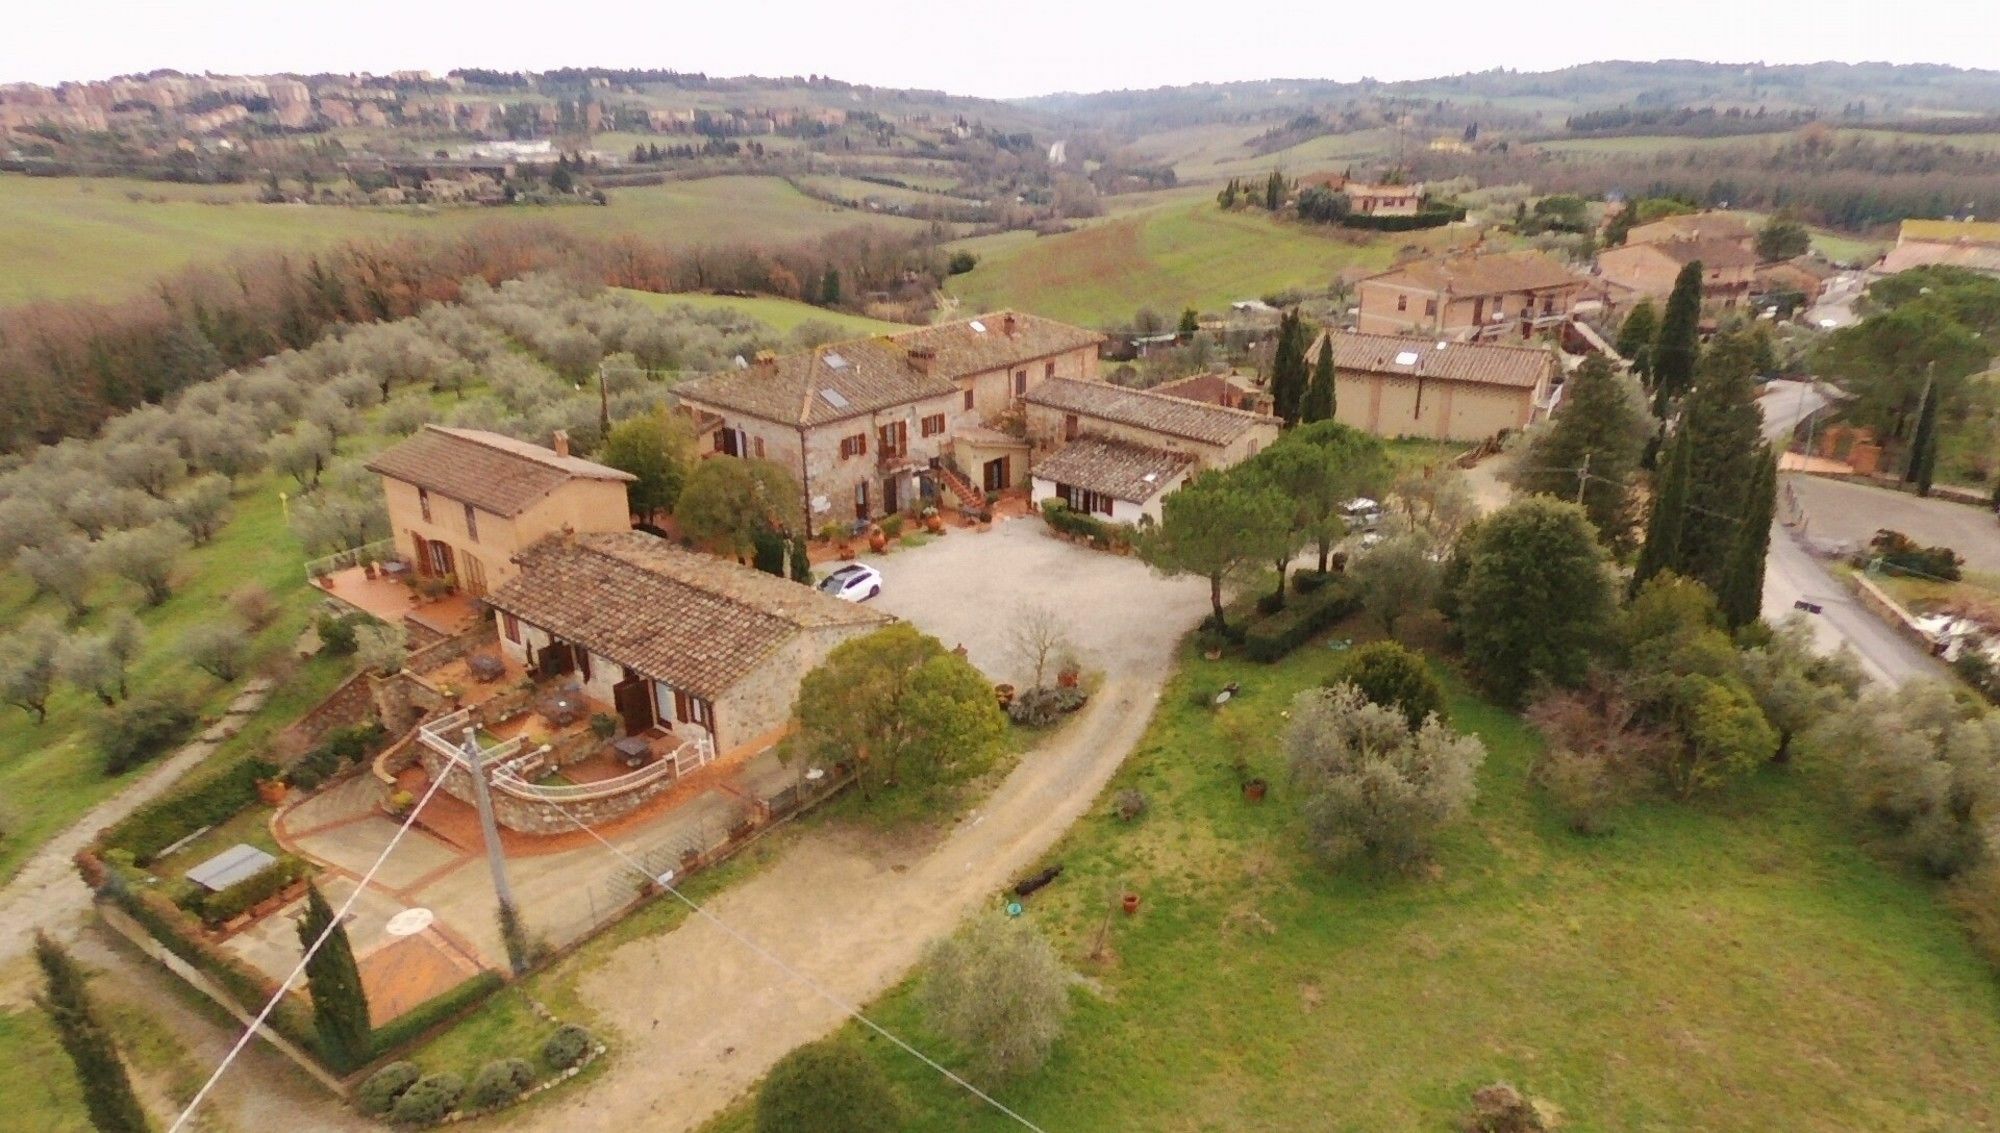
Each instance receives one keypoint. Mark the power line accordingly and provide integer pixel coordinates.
(664, 881)
(285, 986)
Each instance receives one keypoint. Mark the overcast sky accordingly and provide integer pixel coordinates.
(1005, 49)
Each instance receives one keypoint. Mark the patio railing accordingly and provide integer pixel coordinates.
(506, 763)
(378, 551)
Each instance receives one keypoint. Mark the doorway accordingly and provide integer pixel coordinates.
(861, 500)
(633, 698)
(994, 477)
(892, 497)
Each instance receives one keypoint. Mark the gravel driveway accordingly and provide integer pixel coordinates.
(966, 587)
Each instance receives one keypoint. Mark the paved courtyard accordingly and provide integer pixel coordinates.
(967, 587)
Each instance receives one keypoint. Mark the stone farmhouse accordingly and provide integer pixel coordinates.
(1728, 269)
(1471, 296)
(674, 642)
(1116, 453)
(1717, 226)
(877, 425)
(1399, 386)
(463, 503)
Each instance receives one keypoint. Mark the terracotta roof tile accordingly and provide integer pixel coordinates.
(1113, 467)
(1712, 253)
(1480, 273)
(697, 622)
(1147, 409)
(1692, 226)
(493, 473)
(1521, 367)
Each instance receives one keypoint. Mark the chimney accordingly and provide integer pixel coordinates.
(922, 358)
(1009, 325)
(560, 442)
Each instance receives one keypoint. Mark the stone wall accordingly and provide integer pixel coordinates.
(350, 704)
(437, 654)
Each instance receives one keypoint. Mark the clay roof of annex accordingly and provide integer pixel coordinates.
(1713, 254)
(1146, 409)
(1691, 226)
(1519, 367)
(695, 621)
(866, 375)
(1480, 273)
(1113, 467)
(493, 473)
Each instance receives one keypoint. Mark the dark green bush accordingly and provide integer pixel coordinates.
(167, 820)
(413, 1023)
(141, 729)
(378, 1094)
(499, 1083)
(566, 1047)
(1272, 638)
(1395, 677)
(1900, 554)
(1040, 707)
(1079, 525)
(961, 262)
(428, 1101)
(336, 633)
(1308, 581)
(215, 908)
(1428, 218)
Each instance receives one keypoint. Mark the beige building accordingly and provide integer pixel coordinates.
(878, 425)
(1117, 452)
(1468, 296)
(1725, 227)
(1727, 269)
(463, 503)
(671, 642)
(1398, 386)
(1974, 245)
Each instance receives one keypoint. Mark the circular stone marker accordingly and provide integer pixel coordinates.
(409, 922)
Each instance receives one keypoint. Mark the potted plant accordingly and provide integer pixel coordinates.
(933, 522)
(399, 803)
(271, 792)
(1069, 673)
(1129, 902)
(1253, 789)
(369, 569)
(878, 539)
(1004, 693)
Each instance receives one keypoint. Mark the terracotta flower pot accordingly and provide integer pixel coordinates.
(1254, 790)
(878, 541)
(271, 792)
(1068, 678)
(934, 524)
(1130, 903)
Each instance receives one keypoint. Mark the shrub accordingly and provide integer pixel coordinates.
(336, 634)
(381, 648)
(499, 1083)
(1309, 581)
(220, 906)
(141, 729)
(1975, 897)
(603, 725)
(428, 1101)
(1500, 1108)
(827, 1087)
(252, 602)
(167, 820)
(998, 990)
(218, 648)
(1584, 786)
(960, 263)
(1923, 761)
(566, 1047)
(1901, 554)
(1275, 637)
(378, 1094)
(1040, 707)
(1130, 803)
(1394, 677)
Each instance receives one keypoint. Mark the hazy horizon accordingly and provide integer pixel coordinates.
(901, 44)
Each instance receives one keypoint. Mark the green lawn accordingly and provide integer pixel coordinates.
(36, 1077)
(781, 315)
(1183, 252)
(1734, 965)
(70, 236)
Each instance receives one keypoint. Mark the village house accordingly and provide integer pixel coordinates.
(1803, 276)
(463, 503)
(1230, 390)
(1400, 386)
(1710, 226)
(1472, 295)
(1727, 269)
(1383, 200)
(1974, 245)
(673, 643)
(873, 426)
(1117, 452)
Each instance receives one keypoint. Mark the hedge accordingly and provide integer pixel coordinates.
(1272, 638)
(1376, 222)
(160, 824)
(1081, 525)
(412, 1024)
(215, 908)
(378, 1094)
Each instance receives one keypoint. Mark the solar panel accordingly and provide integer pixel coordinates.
(835, 361)
(229, 867)
(1406, 358)
(833, 397)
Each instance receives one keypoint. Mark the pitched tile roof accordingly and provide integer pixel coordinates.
(1713, 254)
(1950, 231)
(865, 375)
(1147, 409)
(1480, 273)
(1113, 467)
(1520, 367)
(1215, 389)
(491, 472)
(1691, 226)
(697, 622)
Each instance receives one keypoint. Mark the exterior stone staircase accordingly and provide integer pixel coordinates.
(956, 485)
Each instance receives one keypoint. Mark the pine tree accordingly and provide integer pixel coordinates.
(1635, 339)
(1601, 429)
(340, 1006)
(1741, 594)
(1725, 432)
(1662, 548)
(1679, 344)
(107, 1091)
(1274, 191)
(1318, 404)
(1923, 447)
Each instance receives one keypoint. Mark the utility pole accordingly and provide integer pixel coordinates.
(496, 860)
(1582, 479)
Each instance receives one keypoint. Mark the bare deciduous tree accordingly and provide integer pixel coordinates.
(1037, 638)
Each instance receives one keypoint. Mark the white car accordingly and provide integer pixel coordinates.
(853, 583)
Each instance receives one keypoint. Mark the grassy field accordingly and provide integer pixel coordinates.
(65, 236)
(1733, 965)
(1184, 252)
(781, 315)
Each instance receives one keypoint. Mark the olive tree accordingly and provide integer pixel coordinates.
(203, 506)
(60, 568)
(997, 989)
(218, 648)
(302, 453)
(1373, 787)
(146, 557)
(149, 466)
(1398, 577)
(28, 666)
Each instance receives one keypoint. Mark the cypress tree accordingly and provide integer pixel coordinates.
(1600, 429)
(1923, 447)
(802, 570)
(1274, 191)
(1741, 595)
(1725, 434)
(1679, 344)
(340, 1006)
(107, 1091)
(1318, 403)
(1662, 548)
(1635, 339)
(1288, 367)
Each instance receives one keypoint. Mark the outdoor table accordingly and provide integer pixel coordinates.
(633, 751)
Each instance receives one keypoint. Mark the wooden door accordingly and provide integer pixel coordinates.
(633, 698)
(473, 581)
(996, 475)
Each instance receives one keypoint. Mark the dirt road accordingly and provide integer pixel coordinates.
(701, 1018)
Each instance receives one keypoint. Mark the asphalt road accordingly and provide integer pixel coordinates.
(1786, 403)
(1792, 575)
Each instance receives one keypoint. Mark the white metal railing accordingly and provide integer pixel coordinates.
(507, 761)
(378, 551)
